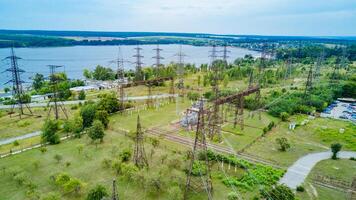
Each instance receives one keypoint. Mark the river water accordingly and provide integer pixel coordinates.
(76, 58)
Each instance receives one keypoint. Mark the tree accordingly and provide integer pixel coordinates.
(49, 132)
(6, 90)
(58, 158)
(175, 193)
(199, 80)
(335, 148)
(38, 81)
(103, 116)
(81, 95)
(73, 185)
(109, 103)
(87, 113)
(125, 155)
(283, 143)
(96, 131)
(284, 116)
(51, 196)
(87, 74)
(279, 192)
(97, 193)
(103, 73)
(233, 196)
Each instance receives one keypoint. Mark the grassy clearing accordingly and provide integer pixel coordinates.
(304, 139)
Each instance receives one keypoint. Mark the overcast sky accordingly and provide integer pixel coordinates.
(263, 17)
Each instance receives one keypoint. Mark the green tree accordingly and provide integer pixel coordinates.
(96, 131)
(284, 116)
(87, 74)
(109, 103)
(103, 73)
(175, 193)
(51, 196)
(97, 193)
(87, 113)
(199, 80)
(233, 196)
(279, 192)
(73, 185)
(6, 90)
(49, 132)
(58, 158)
(335, 148)
(81, 95)
(38, 81)
(103, 116)
(283, 143)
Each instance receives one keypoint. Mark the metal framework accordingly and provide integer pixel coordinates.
(150, 84)
(180, 70)
(114, 195)
(54, 103)
(204, 180)
(309, 83)
(139, 157)
(158, 59)
(138, 63)
(17, 90)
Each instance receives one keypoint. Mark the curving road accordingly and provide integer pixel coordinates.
(297, 173)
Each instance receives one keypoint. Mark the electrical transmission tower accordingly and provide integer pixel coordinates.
(17, 90)
(263, 63)
(120, 77)
(225, 53)
(54, 102)
(199, 148)
(180, 70)
(114, 195)
(158, 58)
(139, 157)
(319, 63)
(309, 83)
(215, 124)
(138, 73)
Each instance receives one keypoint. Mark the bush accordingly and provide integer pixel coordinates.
(97, 193)
(175, 193)
(73, 185)
(300, 188)
(81, 95)
(49, 132)
(280, 192)
(51, 196)
(335, 148)
(61, 179)
(283, 144)
(284, 116)
(233, 196)
(125, 155)
(96, 132)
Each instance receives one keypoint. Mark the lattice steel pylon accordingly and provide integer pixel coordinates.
(180, 70)
(114, 195)
(215, 123)
(139, 157)
(54, 102)
(353, 189)
(138, 73)
(309, 83)
(158, 59)
(225, 53)
(120, 77)
(17, 90)
(199, 147)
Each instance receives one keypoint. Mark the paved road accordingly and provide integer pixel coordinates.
(297, 173)
(11, 140)
(44, 104)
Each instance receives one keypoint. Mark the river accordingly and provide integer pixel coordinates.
(76, 58)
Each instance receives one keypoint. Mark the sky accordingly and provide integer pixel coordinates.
(253, 17)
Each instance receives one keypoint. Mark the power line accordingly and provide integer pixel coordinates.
(138, 56)
(158, 59)
(55, 94)
(139, 157)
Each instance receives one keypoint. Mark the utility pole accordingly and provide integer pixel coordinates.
(158, 58)
(138, 56)
(17, 90)
(55, 98)
(199, 147)
(139, 157)
(114, 195)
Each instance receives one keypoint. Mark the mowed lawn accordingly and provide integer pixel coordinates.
(315, 136)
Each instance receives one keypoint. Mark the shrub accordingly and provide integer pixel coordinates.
(125, 155)
(51, 196)
(97, 193)
(96, 132)
(49, 132)
(81, 95)
(175, 193)
(280, 192)
(62, 179)
(58, 158)
(73, 185)
(300, 188)
(16, 143)
(284, 116)
(283, 144)
(233, 196)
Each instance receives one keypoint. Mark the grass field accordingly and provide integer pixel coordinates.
(304, 139)
(343, 170)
